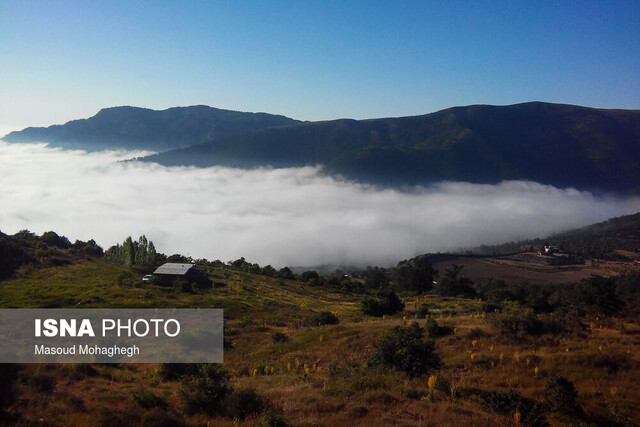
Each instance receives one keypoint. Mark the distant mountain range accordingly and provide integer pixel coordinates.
(560, 145)
(142, 128)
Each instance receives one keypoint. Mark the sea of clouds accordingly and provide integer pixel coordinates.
(294, 216)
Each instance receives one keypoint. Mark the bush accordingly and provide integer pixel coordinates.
(158, 417)
(611, 362)
(245, 403)
(386, 303)
(415, 394)
(405, 350)
(42, 383)
(80, 371)
(423, 311)
(358, 411)
(184, 285)
(560, 395)
(273, 419)
(434, 330)
(518, 324)
(148, 399)
(531, 412)
(205, 391)
(8, 391)
(52, 239)
(278, 337)
(246, 321)
(175, 371)
(322, 318)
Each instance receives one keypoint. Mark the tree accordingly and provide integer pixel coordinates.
(206, 391)
(386, 303)
(141, 253)
(128, 252)
(375, 278)
(561, 395)
(406, 350)
(416, 275)
(310, 276)
(53, 239)
(151, 254)
(455, 284)
(286, 273)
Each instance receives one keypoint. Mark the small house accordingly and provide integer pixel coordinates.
(173, 269)
(174, 273)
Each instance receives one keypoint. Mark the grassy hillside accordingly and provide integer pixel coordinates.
(320, 375)
(142, 128)
(561, 145)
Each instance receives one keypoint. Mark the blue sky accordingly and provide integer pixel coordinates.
(313, 60)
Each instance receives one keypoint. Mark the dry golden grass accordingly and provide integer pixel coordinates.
(320, 374)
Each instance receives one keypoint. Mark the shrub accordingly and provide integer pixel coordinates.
(434, 330)
(245, 403)
(532, 412)
(273, 419)
(80, 371)
(423, 311)
(518, 324)
(118, 418)
(8, 391)
(205, 391)
(611, 362)
(560, 395)
(278, 337)
(52, 239)
(42, 383)
(386, 303)
(415, 394)
(358, 411)
(322, 318)
(184, 285)
(246, 321)
(175, 371)
(158, 417)
(404, 349)
(380, 397)
(148, 399)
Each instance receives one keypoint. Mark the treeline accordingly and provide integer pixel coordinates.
(25, 249)
(141, 253)
(592, 296)
(609, 296)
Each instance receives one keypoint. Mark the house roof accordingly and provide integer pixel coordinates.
(173, 268)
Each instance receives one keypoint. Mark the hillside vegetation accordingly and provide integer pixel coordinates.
(561, 145)
(616, 238)
(402, 346)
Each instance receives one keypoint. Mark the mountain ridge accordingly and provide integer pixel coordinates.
(143, 128)
(556, 144)
(562, 145)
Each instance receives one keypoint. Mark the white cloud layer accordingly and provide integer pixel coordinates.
(281, 217)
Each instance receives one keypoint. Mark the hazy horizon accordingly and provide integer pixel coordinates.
(291, 216)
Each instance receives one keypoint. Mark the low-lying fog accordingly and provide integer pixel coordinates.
(281, 217)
